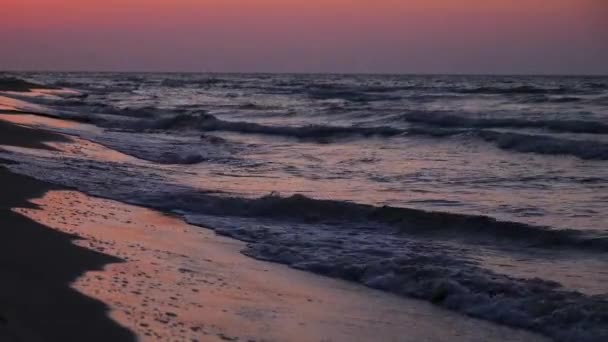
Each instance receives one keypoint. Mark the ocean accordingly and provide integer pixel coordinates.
(487, 195)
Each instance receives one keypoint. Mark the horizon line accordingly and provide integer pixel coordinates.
(307, 73)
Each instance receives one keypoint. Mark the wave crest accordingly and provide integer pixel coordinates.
(207, 122)
(584, 149)
(412, 221)
(524, 89)
(452, 120)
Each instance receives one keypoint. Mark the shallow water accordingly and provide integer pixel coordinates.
(526, 149)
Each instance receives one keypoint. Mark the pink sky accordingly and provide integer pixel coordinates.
(405, 36)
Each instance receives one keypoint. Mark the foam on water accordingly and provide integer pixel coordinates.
(395, 250)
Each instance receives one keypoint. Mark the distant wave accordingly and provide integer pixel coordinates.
(525, 143)
(140, 112)
(451, 120)
(524, 89)
(564, 99)
(549, 99)
(517, 142)
(431, 124)
(93, 108)
(179, 83)
(152, 118)
(207, 122)
(584, 149)
(600, 101)
(436, 126)
(354, 94)
(597, 85)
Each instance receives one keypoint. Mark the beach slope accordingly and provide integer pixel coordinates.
(38, 264)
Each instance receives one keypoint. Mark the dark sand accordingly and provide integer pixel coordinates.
(15, 135)
(38, 264)
(16, 84)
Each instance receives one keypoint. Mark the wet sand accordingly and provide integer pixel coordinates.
(184, 283)
(67, 258)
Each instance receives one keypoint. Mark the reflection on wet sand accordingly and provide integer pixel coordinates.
(185, 283)
(37, 120)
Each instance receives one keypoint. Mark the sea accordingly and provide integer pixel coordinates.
(486, 195)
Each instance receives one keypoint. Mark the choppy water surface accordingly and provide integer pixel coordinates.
(394, 177)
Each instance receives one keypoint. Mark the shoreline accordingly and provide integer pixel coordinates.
(405, 316)
(185, 282)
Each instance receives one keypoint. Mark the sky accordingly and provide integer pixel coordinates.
(336, 36)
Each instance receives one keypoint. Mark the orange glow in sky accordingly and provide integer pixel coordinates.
(409, 36)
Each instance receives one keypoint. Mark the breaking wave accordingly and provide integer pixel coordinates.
(451, 120)
(352, 242)
(584, 149)
(433, 125)
(206, 122)
(398, 250)
(517, 142)
(534, 304)
(411, 221)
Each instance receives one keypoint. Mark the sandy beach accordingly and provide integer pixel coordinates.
(79, 268)
(38, 264)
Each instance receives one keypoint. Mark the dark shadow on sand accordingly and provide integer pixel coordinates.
(19, 85)
(38, 264)
(11, 134)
